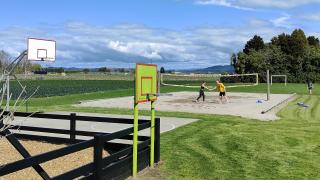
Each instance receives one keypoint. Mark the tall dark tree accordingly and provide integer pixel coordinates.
(292, 54)
(256, 43)
(298, 43)
(313, 41)
(103, 69)
(4, 59)
(86, 70)
(233, 59)
(283, 41)
(162, 70)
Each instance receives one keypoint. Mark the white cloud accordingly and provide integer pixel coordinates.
(148, 50)
(251, 4)
(311, 16)
(84, 45)
(282, 21)
(226, 3)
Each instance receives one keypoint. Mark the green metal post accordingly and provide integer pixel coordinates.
(135, 141)
(152, 134)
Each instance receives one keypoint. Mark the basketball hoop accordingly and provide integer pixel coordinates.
(41, 50)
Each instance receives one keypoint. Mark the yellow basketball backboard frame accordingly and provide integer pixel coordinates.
(146, 85)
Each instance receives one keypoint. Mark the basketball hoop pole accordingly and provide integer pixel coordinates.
(145, 91)
(13, 65)
(135, 140)
(152, 138)
(268, 85)
(8, 72)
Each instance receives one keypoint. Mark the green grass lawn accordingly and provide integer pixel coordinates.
(278, 89)
(228, 147)
(225, 147)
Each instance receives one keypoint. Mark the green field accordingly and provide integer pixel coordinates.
(49, 88)
(223, 147)
(79, 76)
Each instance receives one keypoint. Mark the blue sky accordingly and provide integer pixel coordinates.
(172, 33)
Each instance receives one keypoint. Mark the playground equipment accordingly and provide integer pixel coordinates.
(38, 50)
(123, 160)
(146, 88)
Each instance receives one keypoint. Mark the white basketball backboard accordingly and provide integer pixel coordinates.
(41, 50)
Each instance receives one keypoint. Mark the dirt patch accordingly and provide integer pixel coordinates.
(151, 173)
(248, 105)
(53, 167)
(207, 101)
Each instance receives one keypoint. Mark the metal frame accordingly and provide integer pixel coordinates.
(8, 72)
(280, 75)
(135, 154)
(154, 96)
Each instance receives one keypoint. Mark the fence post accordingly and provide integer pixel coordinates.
(157, 141)
(97, 156)
(73, 127)
(1, 121)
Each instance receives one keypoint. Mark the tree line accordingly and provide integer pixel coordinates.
(294, 55)
(23, 66)
(27, 66)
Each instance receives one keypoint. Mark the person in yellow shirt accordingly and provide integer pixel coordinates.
(222, 91)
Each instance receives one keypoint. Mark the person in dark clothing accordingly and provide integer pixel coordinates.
(310, 87)
(201, 92)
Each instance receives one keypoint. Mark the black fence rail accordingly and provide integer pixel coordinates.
(117, 165)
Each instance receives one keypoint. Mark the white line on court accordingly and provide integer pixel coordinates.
(172, 127)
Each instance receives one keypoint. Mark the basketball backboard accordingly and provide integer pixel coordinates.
(41, 50)
(146, 83)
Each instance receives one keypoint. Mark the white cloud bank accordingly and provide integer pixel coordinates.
(251, 4)
(311, 16)
(84, 45)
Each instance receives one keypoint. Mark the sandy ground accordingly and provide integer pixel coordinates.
(53, 168)
(240, 104)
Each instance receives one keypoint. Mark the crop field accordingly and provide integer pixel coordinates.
(79, 76)
(48, 88)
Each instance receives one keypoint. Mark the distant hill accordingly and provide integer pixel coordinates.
(72, 69)
(218, 69)
(214, 69)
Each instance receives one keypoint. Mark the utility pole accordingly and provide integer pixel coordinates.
(268, 84)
